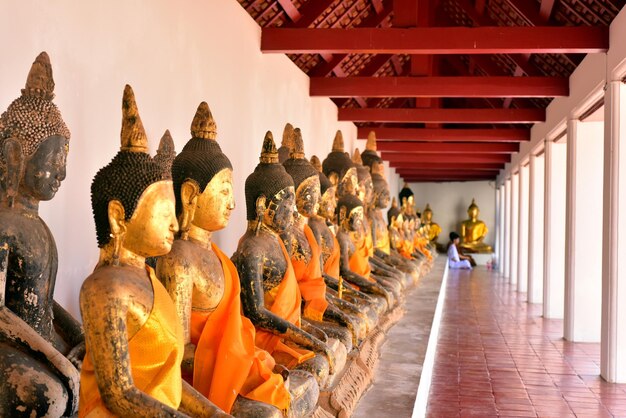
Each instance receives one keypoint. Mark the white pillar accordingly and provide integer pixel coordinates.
(554, 230)
(522, 231)
(535, 228)
(583, 232)
(513, 229)
(613, 351)
(501, 228)
(506, 260)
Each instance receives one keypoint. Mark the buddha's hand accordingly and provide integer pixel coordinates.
(77, 354)
(331, 359)
(188, 358)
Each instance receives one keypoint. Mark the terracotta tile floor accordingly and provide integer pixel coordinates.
(496, 356)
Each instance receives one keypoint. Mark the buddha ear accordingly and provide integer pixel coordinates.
(260, 206)
(189, 194)
(342, 214)
(14, 157)
(117, 218)
(334, 178)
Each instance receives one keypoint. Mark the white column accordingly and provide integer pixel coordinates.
(506, 260)
(522, 231)
(613, 352)
(496, 243)
(554, 230)
(535, 228)
(513, 229)
(501, 228)
(583, 232)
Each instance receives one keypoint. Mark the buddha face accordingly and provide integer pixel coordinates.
(366, 191)
(472, 212)
(354, 221)
(427, 215)
(308, 196)
(328, 204)
(150, 231)
(349, 183)
(45, 169)
(216, 202)
(383, 198)
(279, 213)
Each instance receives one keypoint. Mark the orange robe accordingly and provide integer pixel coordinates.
(285, 302)
(156, 351)
(310, 280)
(331, 266)
(359, 260)
(226, 361)
(421, 243)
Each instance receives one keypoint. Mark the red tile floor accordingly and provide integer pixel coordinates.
(496, 356)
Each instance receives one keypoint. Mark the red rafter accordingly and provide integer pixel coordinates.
(442, 165)
(443, 115)
(290, 9)
(309, 12)
(438, 40)
(446, 157)
(443, 135)
(438, 148)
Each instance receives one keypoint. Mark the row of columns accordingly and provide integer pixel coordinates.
(560, 238)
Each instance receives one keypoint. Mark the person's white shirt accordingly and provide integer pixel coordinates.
(454, 261)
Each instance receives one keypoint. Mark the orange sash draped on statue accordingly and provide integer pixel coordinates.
(359, 260)
(226, 362)
(406, 249)
(421, 243)
(284, 301)
(156, 351)
(331, 266)
(310, 280)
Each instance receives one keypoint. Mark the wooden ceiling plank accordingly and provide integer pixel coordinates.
(439, 87)
(470, 116)
(438, 40)
(290, 9)
(309, 13)
(446, 157)
(442, 147)
(443, 134)
(439, 165)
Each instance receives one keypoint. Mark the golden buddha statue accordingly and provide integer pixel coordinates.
(339, 169)
(134, 340)
(286, 144)
(40, 341)
(431, 229)
(269, 290)
(473, 232)
(222, 361)
(306, 253)
(369, 156)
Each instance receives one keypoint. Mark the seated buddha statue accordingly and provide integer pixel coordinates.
(473, 232)
(286, 144)
(306, 253)
(39, 341)
(222, 361)
(431, 229)
(270, 294)
(370, 156)
(134, 339)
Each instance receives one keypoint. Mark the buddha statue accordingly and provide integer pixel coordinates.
(40, 341)
(134, 340)
(431, 229)
(287, 143)
(369, 155)
(404, 195)
(339, 169)
(473, 232)
(221, 359)
(270, 294)
(306, 253)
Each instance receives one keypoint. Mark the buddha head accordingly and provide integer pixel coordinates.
(34, 141)
(393, 212)
(404, 195)
(339, 168)
(350, 213)
(133, 206)
(284, 152)
(381, 188)
(472, 211)
(270, 194)
(365, 188)
(427, 214)
(328, 200)
(203, 178)
(370, 156)
(165, 154)
(305, 178)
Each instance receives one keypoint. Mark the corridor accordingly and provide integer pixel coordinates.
(496, 356)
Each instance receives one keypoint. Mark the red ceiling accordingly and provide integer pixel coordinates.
(451, 87)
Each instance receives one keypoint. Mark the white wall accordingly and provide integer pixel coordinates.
(449, 202)
(174, 56)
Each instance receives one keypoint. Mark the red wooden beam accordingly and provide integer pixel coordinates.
(426, 172)
(290, 9)
(447, 166)
(443, 115)
(439, 86)
(436, 148)
(439, 40)
(447, 158)
(446, 135)
(446, 179)
(309, 12)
